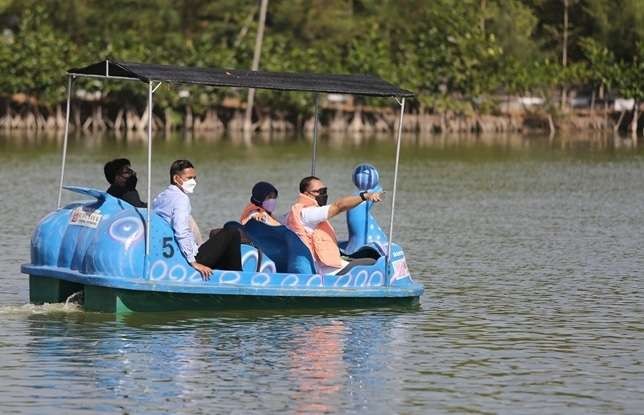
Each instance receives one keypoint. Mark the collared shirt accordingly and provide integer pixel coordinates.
(173, 205)
(311, 217)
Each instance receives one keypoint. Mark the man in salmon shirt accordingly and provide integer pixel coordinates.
(309, 218)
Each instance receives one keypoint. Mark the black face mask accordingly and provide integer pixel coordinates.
(322, 197)
(131, 181)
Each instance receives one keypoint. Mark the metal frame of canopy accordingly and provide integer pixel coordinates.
(154, 84)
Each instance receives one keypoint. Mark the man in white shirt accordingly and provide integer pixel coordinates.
(222, 251)
(309, 219)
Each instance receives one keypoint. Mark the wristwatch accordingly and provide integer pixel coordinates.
(362, 195)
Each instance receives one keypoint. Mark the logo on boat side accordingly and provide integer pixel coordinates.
(400, 270)
(89, 219)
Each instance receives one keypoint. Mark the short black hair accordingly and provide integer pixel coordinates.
(304, 183)
(177, 167)
(112, 168)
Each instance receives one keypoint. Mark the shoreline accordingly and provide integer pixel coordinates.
(93, 118)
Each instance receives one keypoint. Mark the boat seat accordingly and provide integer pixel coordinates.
(253, 260)
(281, 245)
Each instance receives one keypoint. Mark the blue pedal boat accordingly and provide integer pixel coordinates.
(126, 259)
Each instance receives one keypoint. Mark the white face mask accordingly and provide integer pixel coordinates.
(189, 185)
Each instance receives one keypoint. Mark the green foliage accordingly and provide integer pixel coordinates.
(625, 76)
(454, 54)
(601, 62)
(629, 77)
(33, 59)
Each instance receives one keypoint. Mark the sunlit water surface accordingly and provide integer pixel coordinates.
(530, 252)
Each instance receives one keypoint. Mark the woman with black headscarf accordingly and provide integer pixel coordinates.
(262, 205)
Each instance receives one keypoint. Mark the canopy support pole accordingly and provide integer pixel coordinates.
(393, 195)
(315, 133)
(149, 190)
(66, 135)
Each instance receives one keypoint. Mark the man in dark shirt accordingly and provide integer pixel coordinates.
(122, 181)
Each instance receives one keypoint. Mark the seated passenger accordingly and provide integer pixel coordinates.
(309, 218)
(262, 205)
(122, 180)
(220, 251)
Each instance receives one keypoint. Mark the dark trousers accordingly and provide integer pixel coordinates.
(221, 251)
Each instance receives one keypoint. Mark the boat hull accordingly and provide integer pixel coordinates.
(122, 301)
(109, 296)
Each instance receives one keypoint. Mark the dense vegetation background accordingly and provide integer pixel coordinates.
(458, 56)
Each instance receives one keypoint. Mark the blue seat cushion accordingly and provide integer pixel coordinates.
(281, 245)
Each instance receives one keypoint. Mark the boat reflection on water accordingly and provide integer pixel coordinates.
(318, 367)
(301, 363)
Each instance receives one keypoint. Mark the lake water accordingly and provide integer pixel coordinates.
(530, 252)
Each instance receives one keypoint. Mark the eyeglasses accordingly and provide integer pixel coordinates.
(321, 190)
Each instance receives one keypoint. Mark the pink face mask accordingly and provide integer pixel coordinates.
(269, 205)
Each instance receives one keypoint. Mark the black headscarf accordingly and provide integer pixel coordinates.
(260, 191)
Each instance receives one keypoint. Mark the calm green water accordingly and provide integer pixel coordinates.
(530, 252)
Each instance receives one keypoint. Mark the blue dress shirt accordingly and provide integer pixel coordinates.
(173, 205)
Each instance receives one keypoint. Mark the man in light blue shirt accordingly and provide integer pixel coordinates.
(222, 251)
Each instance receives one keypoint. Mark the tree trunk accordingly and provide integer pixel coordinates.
(619, 122)
(30, 120)
(255, 65)
(482, 21)
(265, 123)
(6, 119)
(551, 125)
(214, 121)
(60, 118)
(187, 124)
(338, 123)
(356, 124)
(602, 95)
(77, 117)
(157, 123)
(244, 30)
(118, 122)
(99, 123)
(167, 114)
(636, 105)
(309, 125)
(41, 122)
(143, 120)
(88, 121)
(443, 122)
(564, 50)
(134, 122)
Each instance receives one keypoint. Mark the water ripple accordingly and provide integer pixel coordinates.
(533, 272)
